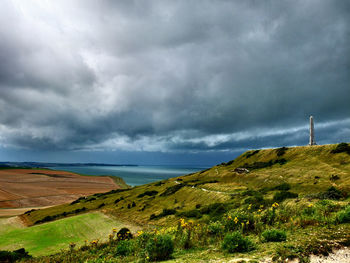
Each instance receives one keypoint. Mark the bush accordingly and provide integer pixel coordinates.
(124, 234)
(309, 211)
(214, 210)
(331, 193)
(194, 213)
(12, 256)
(260, 165)
(282, 187)
(281, 151)
(256, 200)
(148, 193)
(215, 228)
(172, 189)
(274, 235)
(344, 215)
(235, 242)
(160, 247)
(283, 195)
(342, 147)
(164, 213)
(251, 153)
(124, 248)
(235, 220)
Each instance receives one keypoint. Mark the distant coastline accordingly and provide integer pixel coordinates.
(44, 165)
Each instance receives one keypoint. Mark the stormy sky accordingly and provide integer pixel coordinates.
(165, 82)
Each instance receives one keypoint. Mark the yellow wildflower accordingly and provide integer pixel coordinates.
(275, 205)
(236, 220)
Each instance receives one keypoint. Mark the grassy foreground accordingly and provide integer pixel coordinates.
(51, 237)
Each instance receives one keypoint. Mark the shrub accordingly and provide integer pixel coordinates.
(249, 154)
(260, 165)
(334, 177)
(152, 216)
(274, 235)
(308, 211)
(331, 193)
(118, 200)
(235, 242)
(215, 228)
(124, 234)
(158, 183)
(342, 147)
(281, 151)
(12, 256)
(194, 213)
(172, 189)
(143, 239)
(148, 193)
(256, 200)
(283, 195)
(326, 207)
(160, 247)
(124, 248)
(239, 220)
(214, 210)
(344, 215)
(164, 213)
(282, 187)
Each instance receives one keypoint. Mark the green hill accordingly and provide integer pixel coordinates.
(308, 171)
(303, 191)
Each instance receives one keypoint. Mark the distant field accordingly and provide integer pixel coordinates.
(51, 237)
(21, 188)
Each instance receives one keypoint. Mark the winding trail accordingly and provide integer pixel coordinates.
(205, 190)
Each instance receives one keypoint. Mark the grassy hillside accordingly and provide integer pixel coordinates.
(308, 170)
(302, 192)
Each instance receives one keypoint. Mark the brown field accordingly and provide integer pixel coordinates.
(23, 189)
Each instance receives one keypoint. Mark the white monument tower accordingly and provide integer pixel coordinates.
(312, 135)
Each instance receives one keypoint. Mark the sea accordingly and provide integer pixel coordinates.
(134, 175)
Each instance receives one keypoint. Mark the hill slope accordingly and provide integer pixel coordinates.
(308, 171)
(300, 192)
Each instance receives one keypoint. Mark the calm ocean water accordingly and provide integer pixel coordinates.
(133, 175)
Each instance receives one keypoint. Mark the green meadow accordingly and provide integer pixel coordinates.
(51, 237)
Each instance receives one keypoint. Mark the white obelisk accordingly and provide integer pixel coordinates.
(312, 135)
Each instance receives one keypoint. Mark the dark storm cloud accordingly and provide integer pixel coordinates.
(172, 75)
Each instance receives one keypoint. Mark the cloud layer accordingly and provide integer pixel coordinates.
(172, 75)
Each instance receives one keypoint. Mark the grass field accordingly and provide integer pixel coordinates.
(51, 237)
(311, 186)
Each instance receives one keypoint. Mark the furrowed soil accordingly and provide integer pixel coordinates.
(25, 189)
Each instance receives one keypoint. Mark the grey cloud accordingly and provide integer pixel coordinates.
(84, 74)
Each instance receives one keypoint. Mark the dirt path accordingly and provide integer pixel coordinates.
(339, 256)
(205, 190)
(9, 212)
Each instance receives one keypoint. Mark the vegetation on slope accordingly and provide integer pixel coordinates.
(309, 185)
